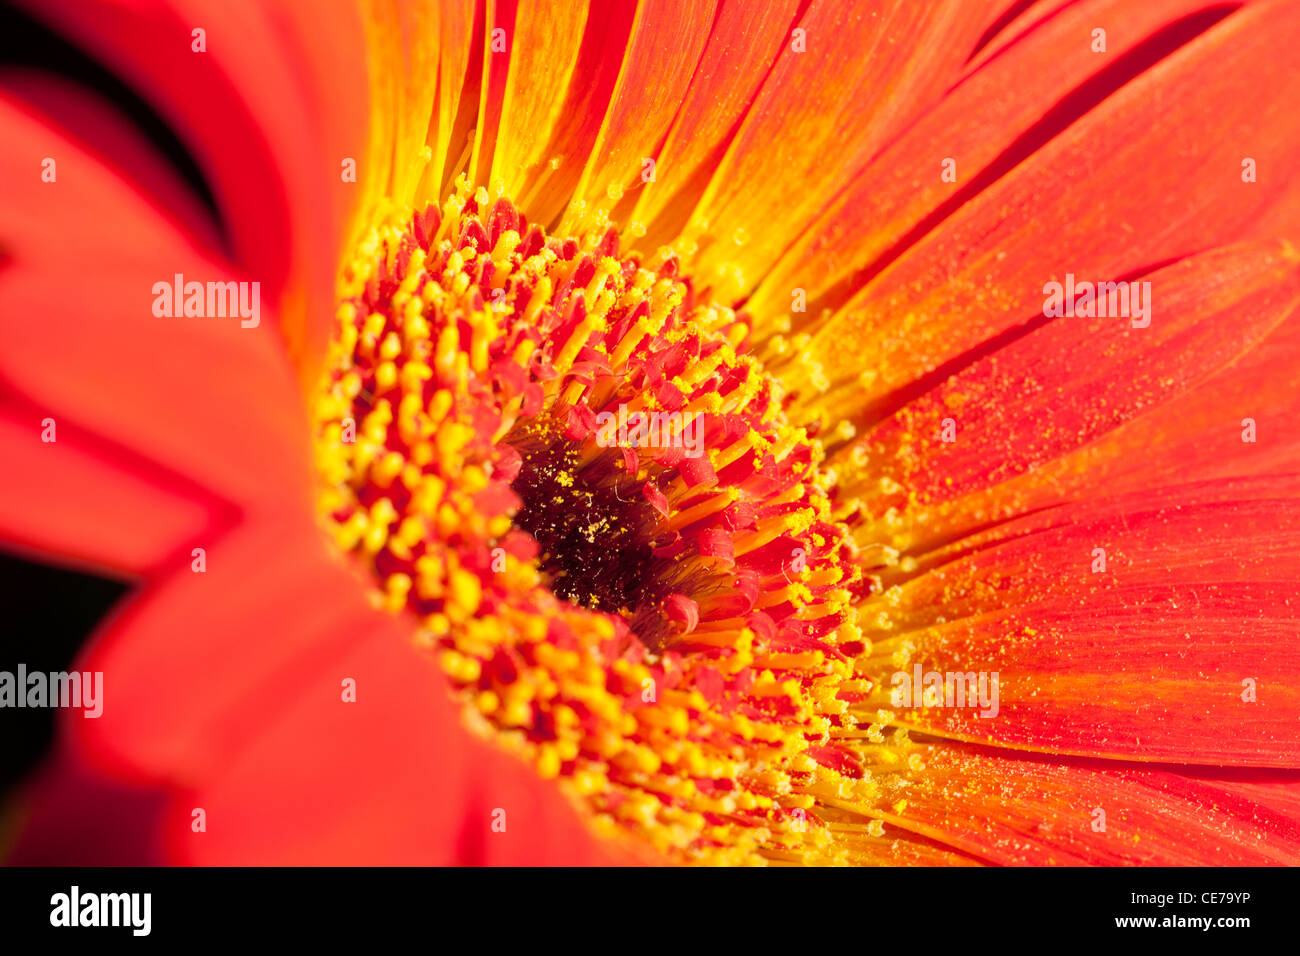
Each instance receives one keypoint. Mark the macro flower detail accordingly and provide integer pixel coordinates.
(703, 708)
(666, 431)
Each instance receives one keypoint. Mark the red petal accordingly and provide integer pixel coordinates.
(87, 120)
(405, 783)
(657, 498)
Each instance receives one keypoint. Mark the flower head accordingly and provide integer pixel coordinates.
(823, 433)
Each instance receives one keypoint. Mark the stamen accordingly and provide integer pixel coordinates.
(668, 627)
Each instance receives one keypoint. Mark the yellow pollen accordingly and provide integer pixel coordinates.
(662, 619)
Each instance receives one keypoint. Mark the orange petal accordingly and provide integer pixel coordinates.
(1118, 192)
(992, 120)
(865, 70)
(1032, 811)
(744, 43)
(456, 42)
(526, 85)
(1048, 415)
(544, 141)
(668, 39)
(1137, 627)
(404, 56)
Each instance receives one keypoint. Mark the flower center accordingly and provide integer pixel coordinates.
(576, 478)
(594, 531)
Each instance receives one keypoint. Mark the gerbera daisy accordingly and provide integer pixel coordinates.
(713, 432)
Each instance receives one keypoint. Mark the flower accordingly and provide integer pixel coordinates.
(910, 567)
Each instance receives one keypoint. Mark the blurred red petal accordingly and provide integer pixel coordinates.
(89, 121)
(270, 109)
(390, 779)
(83, 500)
(202, 397)
(227, 689)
